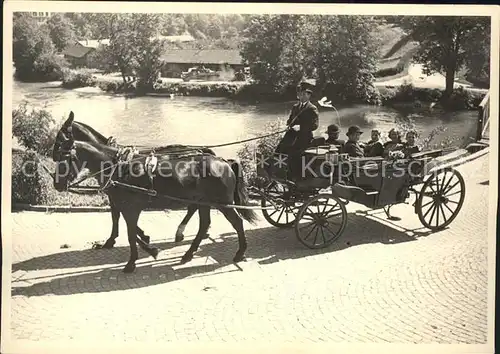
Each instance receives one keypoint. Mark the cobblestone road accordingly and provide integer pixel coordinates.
(381, 282)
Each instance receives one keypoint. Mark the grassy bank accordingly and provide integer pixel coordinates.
(410, 96)
(405, 95)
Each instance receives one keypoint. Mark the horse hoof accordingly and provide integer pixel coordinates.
(146, 239)
(205, 236)
(108, 245)
(179, 238)
(154, 252)
(239, 258)
(129, 268)
(186, 258)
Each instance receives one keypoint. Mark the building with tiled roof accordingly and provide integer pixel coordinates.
(179, 60)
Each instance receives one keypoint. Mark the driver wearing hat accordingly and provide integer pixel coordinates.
(303, 120)
(352, 146)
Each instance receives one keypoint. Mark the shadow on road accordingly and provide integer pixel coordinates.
(265, 246)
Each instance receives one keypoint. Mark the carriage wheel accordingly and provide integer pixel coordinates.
(284, 216)
(321, 221)
(440, 199)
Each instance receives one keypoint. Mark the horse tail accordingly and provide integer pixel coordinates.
(241, 193)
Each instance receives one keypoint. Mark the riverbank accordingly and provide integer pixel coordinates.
(400, 92)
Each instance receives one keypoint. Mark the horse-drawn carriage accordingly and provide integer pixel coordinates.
(314, 203)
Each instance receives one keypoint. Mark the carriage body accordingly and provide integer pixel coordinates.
(374, 182)
(330, 180)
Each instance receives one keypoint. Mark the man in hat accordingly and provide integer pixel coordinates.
(303, 120)
(352, 146)
(332, 132)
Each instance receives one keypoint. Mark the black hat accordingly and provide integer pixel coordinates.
(305, 86)
(354, 129)
(332, 128)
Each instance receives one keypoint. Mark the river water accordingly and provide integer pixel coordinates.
(208, 121)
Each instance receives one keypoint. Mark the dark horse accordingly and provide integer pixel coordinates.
(83, 132)
(200, 179)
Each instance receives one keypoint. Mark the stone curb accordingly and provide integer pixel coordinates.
(58, 208)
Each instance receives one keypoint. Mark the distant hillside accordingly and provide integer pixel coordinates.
(396, 50)
(389, 36)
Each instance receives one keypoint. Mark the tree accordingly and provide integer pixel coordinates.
(172, 24)
(345, 57)
(61, 31)
(338, 51)
(120, 53)
(33, 51)
(263, 49)
(477, 59)
(444, 42)
(147, 50)
(83, 26)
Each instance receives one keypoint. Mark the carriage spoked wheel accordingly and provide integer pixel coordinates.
(286, 212)
(440, 199)
(321, 221)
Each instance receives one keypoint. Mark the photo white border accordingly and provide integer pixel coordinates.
(18, 346)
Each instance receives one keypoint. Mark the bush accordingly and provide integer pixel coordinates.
(110, 85)
(35, 130)
(408, 93)
(264, 93)
(264, 146)
(78, 78)
(28, 184)
(49, 67)
(460, 99)
(436, 139)
(33, 185)
(388, 72)
(222, 89)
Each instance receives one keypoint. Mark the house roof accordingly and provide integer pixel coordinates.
(93, 43)
(76, 51)
(196, 56)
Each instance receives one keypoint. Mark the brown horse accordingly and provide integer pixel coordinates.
(83, 132)
(201, 179)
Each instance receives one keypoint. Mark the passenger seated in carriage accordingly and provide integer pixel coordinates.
(410, 146)
(303, 120)
(374, 147)
(332, 132)
(352, 146)
(394, 144)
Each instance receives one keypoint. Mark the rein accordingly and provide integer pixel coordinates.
(188, 201)
(239, 141)
(114, 166)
